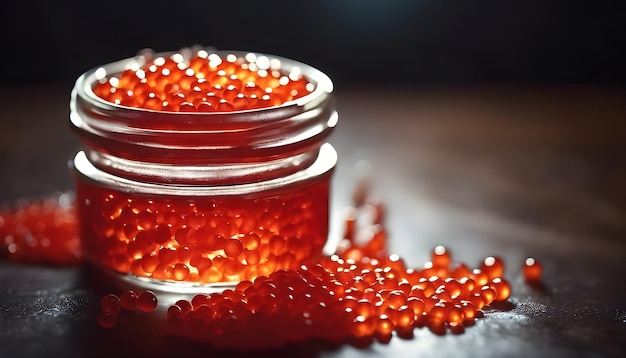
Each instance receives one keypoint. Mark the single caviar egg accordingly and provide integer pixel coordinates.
(502, 288)
(106, 319)
(147, 301)
(493, 267)
(532, 270)
(128, 300)
(441, 257)
(111, 304)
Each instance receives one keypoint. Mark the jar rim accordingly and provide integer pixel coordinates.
(323, 88)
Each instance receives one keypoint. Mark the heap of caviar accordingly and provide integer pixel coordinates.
(201, 81)
(361, 292)
(339, 300)
(41, 231)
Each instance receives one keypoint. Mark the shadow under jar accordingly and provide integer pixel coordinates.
(195, 199)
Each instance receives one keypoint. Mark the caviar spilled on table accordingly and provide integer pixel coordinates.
(360, 292)
(338, 298)
(42, 231)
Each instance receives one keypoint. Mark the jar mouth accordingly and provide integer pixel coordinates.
(323, 87)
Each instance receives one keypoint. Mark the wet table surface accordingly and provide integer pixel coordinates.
(491, 170)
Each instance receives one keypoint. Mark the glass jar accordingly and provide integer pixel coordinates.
(197, 199)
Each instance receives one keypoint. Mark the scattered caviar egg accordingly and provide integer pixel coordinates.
(384, 325)
(174, 312)
(111, 304)
(404, 317)
(480, 277)
(146, 301)
(363, 327)
(469, 311)
(106, 319)
(460, 270)
(438, 313)
(128, 300)
(456, 315)
(453, 287)
(488, 293)
(477, 300)
(441, 257)
(532, 270)
(502, 288)
(493, 267)
(184, 305)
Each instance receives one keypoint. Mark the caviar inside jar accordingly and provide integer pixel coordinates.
(203, 82)
(204, 240)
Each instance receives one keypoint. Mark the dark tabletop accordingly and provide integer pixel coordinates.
(485, 170)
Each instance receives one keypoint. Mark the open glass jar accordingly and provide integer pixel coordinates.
(202, 198)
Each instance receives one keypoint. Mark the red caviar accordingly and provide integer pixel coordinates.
(532, 270)
(106, 319)
(128, 300)
(502, 288)
(493, 267)
(41, 231)
(111, 304)
(333, 298)
(147, 301)
(440, 257)
(339, 297)
(204, 82)
(217, 239)
(209, 196)
(328, 312)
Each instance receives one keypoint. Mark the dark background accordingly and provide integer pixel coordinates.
(354, 41)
